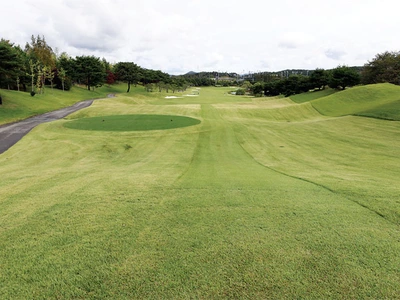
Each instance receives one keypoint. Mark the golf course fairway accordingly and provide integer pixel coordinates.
(259, 198)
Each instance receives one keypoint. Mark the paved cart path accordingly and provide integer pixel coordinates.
(13, 132)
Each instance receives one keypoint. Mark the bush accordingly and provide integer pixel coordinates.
(33, 93)
(240, 92)
(257, 89)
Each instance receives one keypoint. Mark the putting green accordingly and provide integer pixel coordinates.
(132, 122)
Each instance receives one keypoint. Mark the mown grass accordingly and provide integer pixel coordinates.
(244, 205)
(357, 100)
(389, 111)
(132, 122)
(21, 105)
(313, 95)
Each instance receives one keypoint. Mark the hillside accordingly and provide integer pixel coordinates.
(389, 111)
(21, 105)
(375, 100)
(313, 95)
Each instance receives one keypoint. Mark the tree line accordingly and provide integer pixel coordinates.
(384, 67)
(38, 66)
(338, 78)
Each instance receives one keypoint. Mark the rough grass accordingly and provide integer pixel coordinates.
(240, 206)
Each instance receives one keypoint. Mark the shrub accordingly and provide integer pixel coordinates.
(240, 92)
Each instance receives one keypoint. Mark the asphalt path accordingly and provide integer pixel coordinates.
(13, 132)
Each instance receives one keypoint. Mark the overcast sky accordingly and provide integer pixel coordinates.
(177, 36)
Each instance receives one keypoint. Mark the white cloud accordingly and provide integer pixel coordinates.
(335, 54)
(293, 40)
(177, 36)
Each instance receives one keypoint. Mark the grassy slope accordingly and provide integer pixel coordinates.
(358, 100)
(20, 105)
(199, 212)
(306, 97)
(389, 111)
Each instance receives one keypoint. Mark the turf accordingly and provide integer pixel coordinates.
(21, 105)
(389, 111)
(313, 95)
(357, 100)
(256, 201)
(132, 122)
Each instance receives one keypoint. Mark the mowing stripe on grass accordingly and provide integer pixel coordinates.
(193, 213)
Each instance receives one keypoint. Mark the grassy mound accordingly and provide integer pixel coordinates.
(389, 111)
(373, 99)
(274, 112)
(132, 122)
(21, 105)
(305, 97)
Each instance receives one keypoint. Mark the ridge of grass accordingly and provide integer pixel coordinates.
(357, 100)
(388, 111)
(313, 95)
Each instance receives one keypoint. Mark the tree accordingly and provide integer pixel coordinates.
(271, 88)
(149, 87)
(49, 75)
(32, 73)
(319, 79)
(23, 75)
(153, 76)
(174, 87)
(62, 75)
(384, 67)
(111, 77)
(10, 64)
(246, 85)
(343, 77)
(68, 64)
(257, 89)
(40, 78)
(90, 70)
(127, 72)
(41, 52)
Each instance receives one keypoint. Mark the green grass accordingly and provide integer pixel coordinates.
(358, 99)
(255, 202)
(389, 111)
(306, 97)
(132, 122)
(21, 105)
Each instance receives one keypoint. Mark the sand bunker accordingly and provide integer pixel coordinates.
(172, 97)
